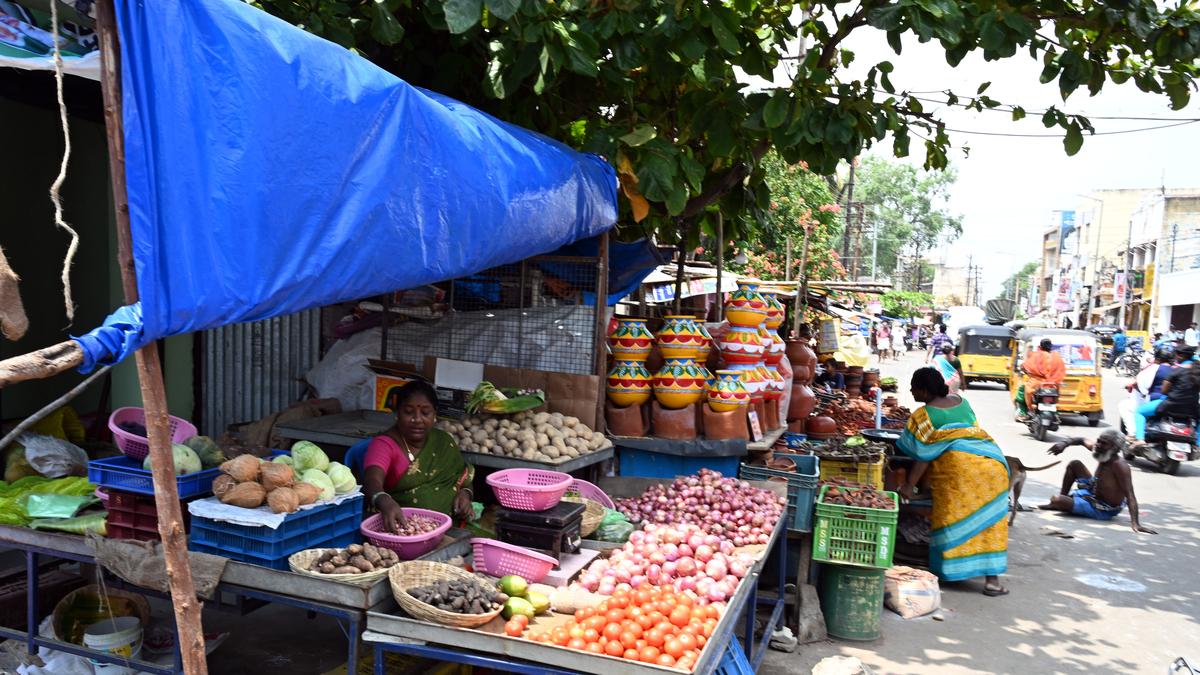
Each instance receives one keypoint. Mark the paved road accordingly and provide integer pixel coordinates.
(1059, 616)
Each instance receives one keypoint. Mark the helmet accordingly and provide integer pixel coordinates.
(1164, 354)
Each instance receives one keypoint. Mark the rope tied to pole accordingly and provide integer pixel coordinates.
(56, 186)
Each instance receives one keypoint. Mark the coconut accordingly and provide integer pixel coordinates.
(283, 500)
(307, 493)
(222, 484)
(275, 475)
(248, 495)
(243, 468)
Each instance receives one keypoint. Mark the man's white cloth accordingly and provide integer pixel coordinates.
(1191, 337)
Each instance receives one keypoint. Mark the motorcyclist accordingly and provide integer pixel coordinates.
(1146, 388)
(1180, 394)
(1043, 366)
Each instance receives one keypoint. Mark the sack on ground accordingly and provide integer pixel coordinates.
(911, 592)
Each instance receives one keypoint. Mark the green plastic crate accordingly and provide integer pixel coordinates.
(854, 535)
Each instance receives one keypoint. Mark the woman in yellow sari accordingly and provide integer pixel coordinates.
(969, 477)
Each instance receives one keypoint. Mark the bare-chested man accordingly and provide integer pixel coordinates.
(1103, 495)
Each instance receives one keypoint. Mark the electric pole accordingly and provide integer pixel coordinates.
(849, 201)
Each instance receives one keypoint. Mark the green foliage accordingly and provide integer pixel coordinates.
(658, 87)
(1022, 280)
(905, 304)
(909, 206)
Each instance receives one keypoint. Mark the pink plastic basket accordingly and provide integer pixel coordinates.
(529, 489)
(498, 559)
(586, 490)
(137, 447)
(408, 548)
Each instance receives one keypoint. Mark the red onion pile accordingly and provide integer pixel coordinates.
(726, 507)
(680, 556)
(416, 525)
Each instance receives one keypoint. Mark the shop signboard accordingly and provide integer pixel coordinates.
(829, 336)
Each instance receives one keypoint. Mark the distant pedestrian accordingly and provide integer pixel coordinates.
(1190, 337)
(939, 340)
(1120, 341)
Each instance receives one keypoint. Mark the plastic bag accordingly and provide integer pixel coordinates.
(54, 506)
(92, 523)
(615, 527)
(53, 457)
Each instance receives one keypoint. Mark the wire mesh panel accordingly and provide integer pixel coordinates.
(539, 314)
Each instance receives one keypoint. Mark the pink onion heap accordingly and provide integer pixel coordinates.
(726, 507)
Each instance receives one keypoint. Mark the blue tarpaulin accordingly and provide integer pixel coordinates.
(270, 171)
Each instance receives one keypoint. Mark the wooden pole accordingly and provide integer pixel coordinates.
(149, 367)
(601, 329)
(720, 265)
(802, 291)
(51, 407)
(679, 277)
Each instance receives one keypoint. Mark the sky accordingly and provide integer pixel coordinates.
(1007, 187)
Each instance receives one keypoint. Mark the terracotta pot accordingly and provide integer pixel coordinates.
(802, 403)
(782, 464)
(631, 341)
(727, 392)
(708, 346)
(679, 383)
(775, 385)
(771, 416)
(796, 426)
(746, 306)
(820, 425)
(803, 360)
(629, 383)
(775, 311)
(753, 380)
(891, 401)
(627, 421)
(870, 378)
(679, 338)
(677, 425)
(854, 370)
(719, 426)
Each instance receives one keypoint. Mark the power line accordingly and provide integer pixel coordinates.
(1093, 133)
(1032, 113)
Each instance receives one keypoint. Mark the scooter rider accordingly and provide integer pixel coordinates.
(1146, 390)
(1181, 394)
(1042, 366)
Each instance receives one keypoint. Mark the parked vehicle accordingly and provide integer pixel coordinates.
(1132, 361)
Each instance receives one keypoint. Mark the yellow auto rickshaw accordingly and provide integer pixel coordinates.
(1080, 392)
(986, 353)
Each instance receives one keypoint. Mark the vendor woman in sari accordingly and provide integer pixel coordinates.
(969, 477)
(412, 464)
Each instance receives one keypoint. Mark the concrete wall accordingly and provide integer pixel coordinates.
(35, 249)
(1106, 231)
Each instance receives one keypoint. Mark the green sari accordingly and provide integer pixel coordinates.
(435, 476)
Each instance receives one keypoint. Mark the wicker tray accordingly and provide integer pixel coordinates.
(300, 560)
(593, 514)
(416, 573)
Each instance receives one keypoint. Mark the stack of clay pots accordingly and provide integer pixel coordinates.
(804, 369)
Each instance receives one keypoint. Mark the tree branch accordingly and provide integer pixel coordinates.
(736, 174)
(41, 364)
(829, 50)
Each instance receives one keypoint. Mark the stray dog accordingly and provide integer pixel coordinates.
(1017, 473)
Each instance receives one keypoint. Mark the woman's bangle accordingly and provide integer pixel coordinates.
(375, 498)
(470, 493)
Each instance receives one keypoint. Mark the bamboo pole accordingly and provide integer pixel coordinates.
(149, 368)
(601, 329)
(43, 363)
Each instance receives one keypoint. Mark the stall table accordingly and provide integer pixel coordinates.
(387, 632)
(348, 428)
(346, 603)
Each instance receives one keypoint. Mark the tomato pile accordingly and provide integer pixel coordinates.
(650, 624)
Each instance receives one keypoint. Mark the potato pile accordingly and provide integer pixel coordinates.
(354, 559)
(248, 482)
(871, 499)
(462, 596)
(539, 437)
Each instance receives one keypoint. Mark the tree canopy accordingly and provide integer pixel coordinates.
(1022, 280)
(905, 304)
(661, 88)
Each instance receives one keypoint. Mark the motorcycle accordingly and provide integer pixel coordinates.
(1043, 416)
(1168, 442)
(1132, 361)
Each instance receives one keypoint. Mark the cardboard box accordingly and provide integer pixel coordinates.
(568, 394)
(389, 377)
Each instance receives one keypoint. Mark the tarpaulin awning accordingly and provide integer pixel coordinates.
(270, 171)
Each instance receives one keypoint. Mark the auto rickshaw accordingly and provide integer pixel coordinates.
(1080, 392)
(986, 353)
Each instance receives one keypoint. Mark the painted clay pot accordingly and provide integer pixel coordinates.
(727, 392)
(679, 338)
(753, 381)
(775, 384)
(741, 346)
(776, 350)
(629, 383)
(631, 341)
(678, 384)
(775, 311)
(707, 347)
(746, 306)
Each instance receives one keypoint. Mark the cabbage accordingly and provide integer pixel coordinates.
(317, 478)
(186, 460)
(308, 455)
(284, 459)
(343, 480)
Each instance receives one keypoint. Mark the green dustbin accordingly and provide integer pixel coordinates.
(852, 601)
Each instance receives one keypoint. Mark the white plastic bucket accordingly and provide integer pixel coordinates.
(121, 636)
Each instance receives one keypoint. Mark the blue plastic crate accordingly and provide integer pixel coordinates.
(648, 464)
(280, 563)
(802, 486)
(127, 474)
(309, 528)
(733, 660)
